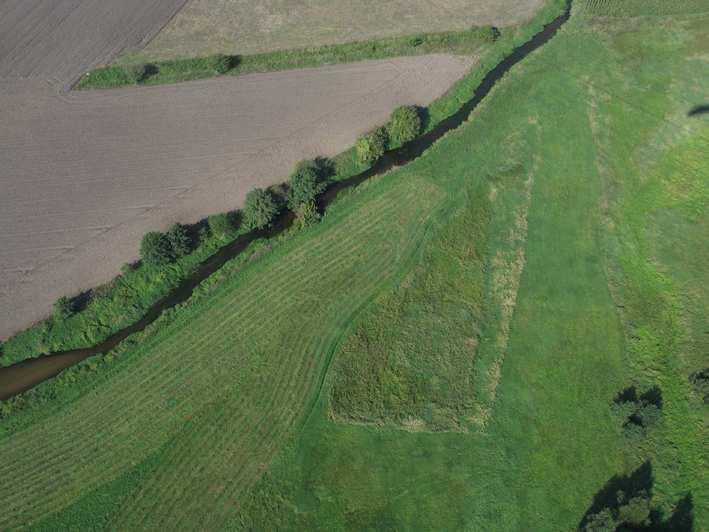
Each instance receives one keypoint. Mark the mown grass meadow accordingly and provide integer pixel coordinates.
(443, 350)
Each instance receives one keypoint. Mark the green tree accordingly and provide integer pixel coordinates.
(221, 226)
(304, 184)
(179, 240)
(636, 511)
(404, 125)
(220, 63)
(602, 521)
(259, 209)
(137, 73)
(371, 147)
(155, 249)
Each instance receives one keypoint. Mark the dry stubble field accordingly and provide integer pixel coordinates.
(246, 26)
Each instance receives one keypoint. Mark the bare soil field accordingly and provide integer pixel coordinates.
(247, 26)
(85, 174)
(61, 39)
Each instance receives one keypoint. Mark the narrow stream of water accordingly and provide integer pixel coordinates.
(24, 375)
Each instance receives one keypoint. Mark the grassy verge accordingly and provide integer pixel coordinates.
(172, 71)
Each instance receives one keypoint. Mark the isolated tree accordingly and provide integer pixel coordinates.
(179, 240)
(304, 184)
(371, 147)
(220, 63)
(259, 209)
(404, 125)
(155, 249)
(137, 73)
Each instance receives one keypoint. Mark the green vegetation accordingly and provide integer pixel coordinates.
(63, 308)
(441, 351)
(180, 240)
(371, 146)
(155, 249)
(259, 209)
(221, 226)
(305, 183)
(404, 125)
(172, 71)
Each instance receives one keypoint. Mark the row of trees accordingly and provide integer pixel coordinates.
(404, 125)
(261, 206)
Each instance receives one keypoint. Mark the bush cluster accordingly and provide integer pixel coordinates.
(155, 249)
(220, 63)
(639, 413)
(371, 146)
(179, 240)
(138, 73)
(221, 226)
(305, 184)
(632, 512)
(259, 209)
(404, 125)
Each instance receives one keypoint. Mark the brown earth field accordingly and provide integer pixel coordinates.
(62, 39)
(251, 26)
(84, 175)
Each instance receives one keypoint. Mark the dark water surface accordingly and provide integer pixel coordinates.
(24, 375)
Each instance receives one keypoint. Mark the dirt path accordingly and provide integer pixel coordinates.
(85, 175)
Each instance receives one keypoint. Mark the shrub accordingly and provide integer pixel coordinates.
(371, 146)
(602, 521)
(306, 215)
(626, 511)
(220, 63)
(137, 73)
(639, 413)
(404, 125)
(180, 241)
(305, 184)
(259, 209)
(221, 226)
(155, 249)
(63, 308)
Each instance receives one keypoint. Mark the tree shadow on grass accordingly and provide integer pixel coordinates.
(639, 483)
(698, 110)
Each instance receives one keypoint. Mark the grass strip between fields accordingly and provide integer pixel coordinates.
(160, 72)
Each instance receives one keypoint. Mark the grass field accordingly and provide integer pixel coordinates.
(611, 294)
(206, 27)
(442, 351)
